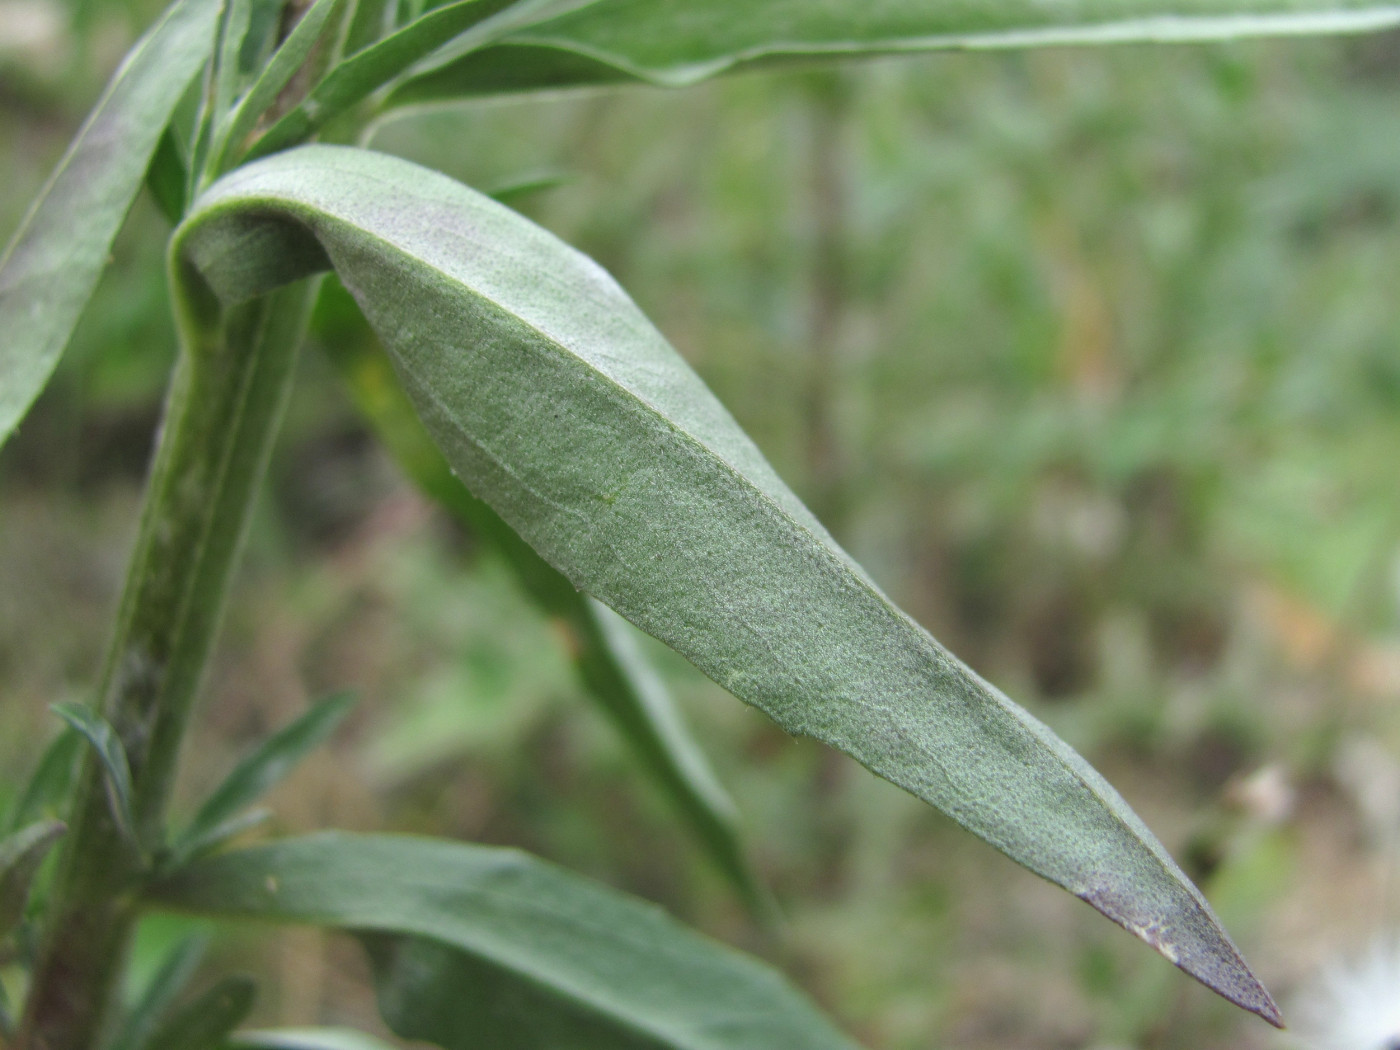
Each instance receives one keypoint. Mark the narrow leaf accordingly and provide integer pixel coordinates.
(48, 790)
(204, 1022)
(253, 777)
(104, 740)
(564, 409)
(20, 857)
(306, 1039)
(612, 670)
(144, 1018)
(555, 960)
(359, 75)
(276, 75)
(52, 264)
(228, 71)
(662, 42)
(370, 20)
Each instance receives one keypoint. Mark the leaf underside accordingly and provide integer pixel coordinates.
(561, 406)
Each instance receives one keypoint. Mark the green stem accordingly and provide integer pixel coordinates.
(225, 404)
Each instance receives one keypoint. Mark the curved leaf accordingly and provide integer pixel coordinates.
(562, 407)
(98, 732)
(665, 42)
(555, 960)
(615, 675)
(52, 264)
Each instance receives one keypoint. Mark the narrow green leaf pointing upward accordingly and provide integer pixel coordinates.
(561, 406)
(52, 264)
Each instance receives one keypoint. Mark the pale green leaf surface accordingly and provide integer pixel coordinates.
(260, 771)
(52, 264)
(674, 42)
(561, 406)
(306, 1039)
(614, 673)
(557, 960)
(20, 857)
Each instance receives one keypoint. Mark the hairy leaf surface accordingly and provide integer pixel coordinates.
(672, 42)
(614, 673)
(561, 406)
(52, 264)
(555, 960)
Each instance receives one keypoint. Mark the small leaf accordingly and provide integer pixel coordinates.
(359, 75)
(51, 266)
(306, 1039)
(104, 740)
(562, 407)
(232, 129)
(20, 856)
(144, 1018)
(258, 773)
(661, 42)
(554, 960)
(49, 788)
(204, 1022)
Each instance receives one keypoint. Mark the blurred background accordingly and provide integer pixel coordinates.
(1091, 357)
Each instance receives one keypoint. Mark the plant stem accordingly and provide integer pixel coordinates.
(225, 404)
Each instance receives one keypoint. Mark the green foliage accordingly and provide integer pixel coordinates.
(475, 946)
(596, 462)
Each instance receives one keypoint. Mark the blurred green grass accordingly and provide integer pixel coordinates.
(1092, 357)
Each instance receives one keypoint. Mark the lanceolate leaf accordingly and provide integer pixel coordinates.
(666, 42)
(555, 960)
(615, 674)
(562, 407)
(20, 857)
(53, 262)
(268, 764)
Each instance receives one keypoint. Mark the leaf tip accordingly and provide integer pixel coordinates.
(1191, 938)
